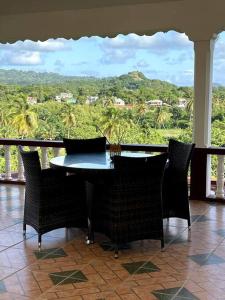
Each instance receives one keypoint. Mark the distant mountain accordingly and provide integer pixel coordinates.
(132, 80)
(31, 77)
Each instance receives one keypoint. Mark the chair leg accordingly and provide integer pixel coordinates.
(89, 189)
(162, 244)
(116, 253)
(189, 223)
(24, 229)
(39, 241)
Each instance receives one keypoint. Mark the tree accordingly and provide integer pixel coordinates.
(114, 125)
(162, 117)
(69, 119)
(24, 118)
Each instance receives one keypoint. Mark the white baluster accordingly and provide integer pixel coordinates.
(8, 174)
(220, 177)
(56, 151)
(44, 157)
(20, 167)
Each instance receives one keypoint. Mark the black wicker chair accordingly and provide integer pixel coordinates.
(52, 199)
(175, 184)
(130, 205)
(74, 146)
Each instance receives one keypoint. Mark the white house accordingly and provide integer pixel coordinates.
(155, 102)
(119, 102)
(32, 100)
(91, 99)
(63, 96)
(182, 103)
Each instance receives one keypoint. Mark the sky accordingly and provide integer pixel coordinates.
(165, 56)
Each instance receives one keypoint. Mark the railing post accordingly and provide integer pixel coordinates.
(198, 175)
(20, 167)
(44, 157)
(56, 151)
(8, 174)
(220, 177)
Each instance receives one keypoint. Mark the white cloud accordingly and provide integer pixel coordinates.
(116, 56)
(22, 58)
(50, 45)
(122, 48)
(159, 43)
(29, 52)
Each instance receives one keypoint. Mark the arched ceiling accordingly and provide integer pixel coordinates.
(35, 6)
(44, 19)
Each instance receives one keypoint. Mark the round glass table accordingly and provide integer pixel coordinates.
(92, 167)
(89, 161)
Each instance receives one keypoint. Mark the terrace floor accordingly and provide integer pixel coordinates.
(191, 267)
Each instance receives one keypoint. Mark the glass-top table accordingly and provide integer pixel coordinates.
(89, 161)
(92, 167)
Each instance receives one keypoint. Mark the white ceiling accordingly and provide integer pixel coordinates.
(44, 19)
(35, 6)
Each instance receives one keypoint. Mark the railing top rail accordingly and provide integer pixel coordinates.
(134, 147)
(59, 144)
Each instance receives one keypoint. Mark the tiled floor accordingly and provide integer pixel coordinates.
(191, 267)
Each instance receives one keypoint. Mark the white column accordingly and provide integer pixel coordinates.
(56, 151)
(44, 157)
(220, 177)
(8, 174)
(203, 99)
(20, 167)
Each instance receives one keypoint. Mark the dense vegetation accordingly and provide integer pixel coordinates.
(136, 122)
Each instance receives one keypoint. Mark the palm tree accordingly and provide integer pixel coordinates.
(114, 125)
(142, 108)
(23, 117)
(162, 116)
(69, 118)
(108, 102)
(190, 107)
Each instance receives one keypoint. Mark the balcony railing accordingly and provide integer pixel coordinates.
(49, 149)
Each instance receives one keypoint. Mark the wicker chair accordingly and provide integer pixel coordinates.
(52, 199)
(92, 183)
(130, 206)
(74, 146)
(175, 185)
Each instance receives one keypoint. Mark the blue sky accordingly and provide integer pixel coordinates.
(165, 56)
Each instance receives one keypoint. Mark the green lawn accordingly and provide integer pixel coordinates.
(174, 132)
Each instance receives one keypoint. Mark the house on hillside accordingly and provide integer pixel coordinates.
(63, 97)
(155, 102)
(182, 103)
(119, 102)
(91, 99)
(31, 100)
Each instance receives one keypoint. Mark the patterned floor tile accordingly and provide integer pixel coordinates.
(199, 218)
(140, 267)
(74, 276)
(50, 253)
(109, 246)
(207, 259)
(221, 232)
(174, 293)
(2, 287)
(66, 268)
